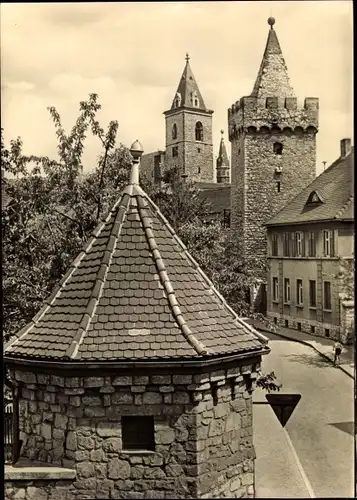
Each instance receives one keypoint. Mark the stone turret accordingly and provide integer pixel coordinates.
(273, 156)
(135, 378)
(222, 164)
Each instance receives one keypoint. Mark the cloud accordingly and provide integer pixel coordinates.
(22, 86)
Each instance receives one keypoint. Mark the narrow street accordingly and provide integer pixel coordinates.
(320, 430)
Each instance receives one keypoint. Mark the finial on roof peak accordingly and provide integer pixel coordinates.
(271, 22)
(222, 132)
(136, 151)
(187, 57)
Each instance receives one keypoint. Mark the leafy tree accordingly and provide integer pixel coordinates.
(53, 210)
(268, 382)
(178, 200)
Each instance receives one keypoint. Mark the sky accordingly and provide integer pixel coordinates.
(132, 55)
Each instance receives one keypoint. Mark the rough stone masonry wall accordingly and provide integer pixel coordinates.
(255, 197)
(40, 490)
(172, 161)
(263, 201)
(76, 422)
(238, 189)
(198, 164)
(225, 435)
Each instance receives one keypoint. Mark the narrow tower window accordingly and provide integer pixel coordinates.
(194, 99)
(278, 148)
(177, 102)
(199, 131)
(278, 186)
(174, 131)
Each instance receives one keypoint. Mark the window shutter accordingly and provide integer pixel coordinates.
(332, 243)
(303, 244)
(293, 244)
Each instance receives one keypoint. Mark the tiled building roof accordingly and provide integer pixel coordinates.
(273, 79)
(217, 195)
(334, 187)
(134, 293)
(187, 87)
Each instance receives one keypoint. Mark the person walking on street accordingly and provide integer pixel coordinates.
(338, 349)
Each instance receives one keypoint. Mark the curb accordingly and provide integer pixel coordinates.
(309, 345)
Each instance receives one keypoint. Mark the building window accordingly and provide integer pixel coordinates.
(174, 131)
(286, 290)
(286, 323)
(278, 148)
(327, 332)
(313, 199)
(199, 131)
(274, 244)
(278, 186)
(194, 99)
(198, 170)
(312, 329)
(328, 243)
(198, 150)
(327, 295)
(299, 294)
(286, 245)
(312, 244)
(275, 289)
(138, 433)
(312, 293)
(275, 320)
(298, 326)
(175, 151)
(299, 244)
(177, 102)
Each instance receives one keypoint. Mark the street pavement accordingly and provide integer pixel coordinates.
(322, 345)
(314, 455)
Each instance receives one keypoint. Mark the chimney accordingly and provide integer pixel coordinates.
(345, 147)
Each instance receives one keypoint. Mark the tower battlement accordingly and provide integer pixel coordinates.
(272, 112)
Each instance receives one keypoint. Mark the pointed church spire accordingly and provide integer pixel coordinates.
(188, 94)
(222, 154)
(273, 79)
(222, 163)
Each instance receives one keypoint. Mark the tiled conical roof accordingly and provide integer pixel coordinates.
(273, 79)
(187, 88)
(134, 294)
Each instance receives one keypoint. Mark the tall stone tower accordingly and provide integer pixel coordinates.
(222, 164)
(273, 149)
(189, 131)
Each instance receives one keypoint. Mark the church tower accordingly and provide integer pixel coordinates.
(273, 149)
(189, 131)
(222, 164)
